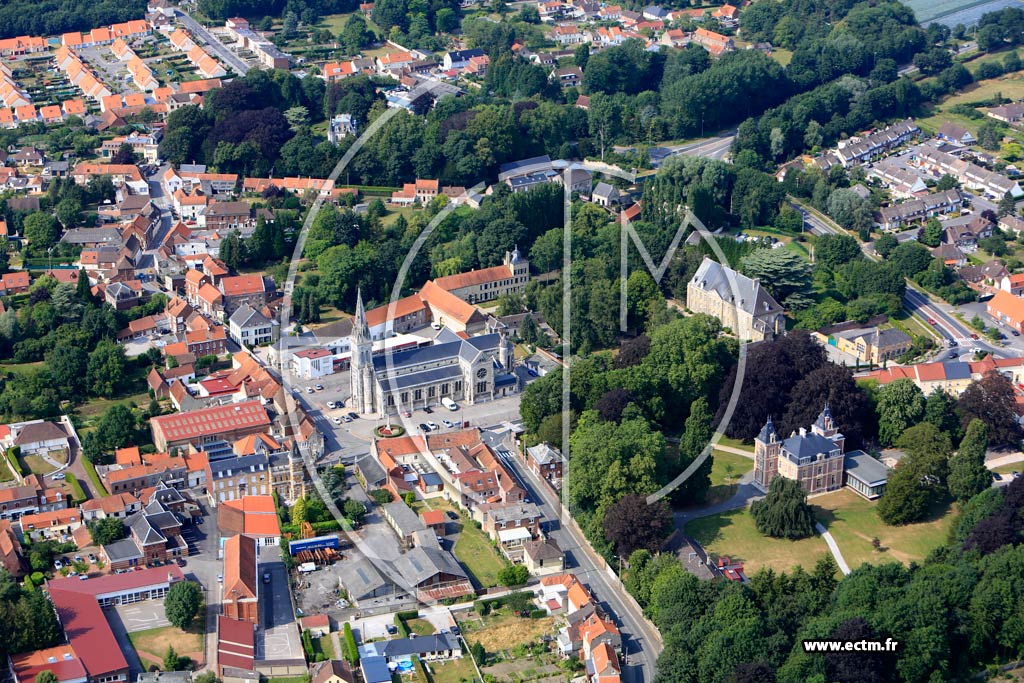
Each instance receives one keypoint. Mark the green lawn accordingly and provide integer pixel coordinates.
(853, 522)
(474, 550)
(735, 443)
(453, 671)
(726, 470)
(420, 627)
(1009, 469)
(94, 478)
(152, 644)
(733, 534)
(782, 56)
(36, 465)
(324, 645)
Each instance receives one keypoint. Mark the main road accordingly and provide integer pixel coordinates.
(641, 641)
(213, 43)
(716, 147)
(915, 301)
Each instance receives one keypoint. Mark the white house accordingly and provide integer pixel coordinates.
(313, 363)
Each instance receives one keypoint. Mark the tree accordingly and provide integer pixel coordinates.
(632, 523)
(940, 410)
(124, 155)
(931, 235)
(784, 512)
(885, 244)
(106, 368)
(753, 672)
(834, 250)
(830, 385)
(968, 475)
(900, 405)
(171, 659)
(46, 677)
(106, 530)
(1007, 205)
(183, 602)
(991, 400)
(40, 230)
(513, 575)
(354, 511)
(920, 478)
(857, 667)
(783, 273)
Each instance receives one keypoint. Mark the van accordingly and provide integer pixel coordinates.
(449, 404)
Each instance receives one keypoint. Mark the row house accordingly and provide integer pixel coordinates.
(715, 43)
(53, 525)
(971, 175)
(30, 497)
(901, 182)
(134, 478)
(211, 342)
(898, 215)
(859, 150)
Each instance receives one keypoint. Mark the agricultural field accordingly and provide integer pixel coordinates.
(953, 12)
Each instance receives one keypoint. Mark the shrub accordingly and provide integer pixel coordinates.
(351, 651)
(13, 453)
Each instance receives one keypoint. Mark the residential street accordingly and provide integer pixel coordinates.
(218, 48)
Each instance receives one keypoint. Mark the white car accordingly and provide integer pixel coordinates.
(433, 426)
(447, 423)
(309, 390)
(336, 420)
(436, 326)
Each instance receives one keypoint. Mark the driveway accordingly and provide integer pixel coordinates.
(121, 635)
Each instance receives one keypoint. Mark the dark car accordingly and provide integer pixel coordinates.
(974, 335)
(427, 409)
(1015, 333)
(952, 354)
(354, 416)
(952, 343)
(452, 515)
(456, 631)
(424, 428)
(392, 629)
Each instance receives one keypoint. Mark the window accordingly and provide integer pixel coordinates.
(431, 391)
(481, 387)
(417, 395)
(458, 387)
(445, 388)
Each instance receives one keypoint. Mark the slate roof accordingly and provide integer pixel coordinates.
(801, 448)
(862, 466)
(422, 564)
(753, 298)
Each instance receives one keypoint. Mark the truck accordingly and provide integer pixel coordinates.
(307, 567)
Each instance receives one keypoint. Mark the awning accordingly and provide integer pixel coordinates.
(517, 534)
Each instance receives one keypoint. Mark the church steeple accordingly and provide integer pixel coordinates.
(360, 330)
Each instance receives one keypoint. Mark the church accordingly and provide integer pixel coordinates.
(466, 369)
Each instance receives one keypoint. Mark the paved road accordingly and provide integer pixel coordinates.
(916, 301)
(833, 548)
(641, 642)
(712, 148)
(213, 43)
(910, 69)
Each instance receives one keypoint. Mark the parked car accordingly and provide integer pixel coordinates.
(332, 405)
(424, 428)
(319, 387)
(392, 629)
(92, 558)
(354, 416)
(432, 425)
(266, 577)
(309, 390)
(447, 423)
(336, 420)
(427, 409)
(952, 354)
(59, 475)
(58, 565)
(1015, 333)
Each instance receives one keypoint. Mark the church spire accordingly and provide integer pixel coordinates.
(359, 327)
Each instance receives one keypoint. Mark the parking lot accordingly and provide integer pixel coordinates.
(143, 616)
(278, 636)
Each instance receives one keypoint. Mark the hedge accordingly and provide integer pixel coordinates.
(12, 459)
(94, 477)
(352, 653)
(403, 630)
(76, 487)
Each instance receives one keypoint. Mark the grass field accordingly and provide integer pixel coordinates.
(152, 644)
(735, 443)
(504, 631)
(474, 550)
(420, 627)
(453, 671)
(726, 470)
(782, 56)
(853, 522)
(733, 534)
(1009, 469)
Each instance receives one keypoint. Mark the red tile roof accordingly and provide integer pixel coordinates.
(87, 629)
(211, 421)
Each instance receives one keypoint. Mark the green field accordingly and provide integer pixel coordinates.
(853, 523)
(453, 671)
(726, 470)
(926, 10)
(474, 550)
(733, 534)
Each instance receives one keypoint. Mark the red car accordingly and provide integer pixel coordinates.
(931, 321)
(974, 335)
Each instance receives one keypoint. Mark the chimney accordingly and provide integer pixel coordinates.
(803, 431)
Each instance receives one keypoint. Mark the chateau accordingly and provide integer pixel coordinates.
(487, 284)
(739, 302)
(817, 460)
(470, 369)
